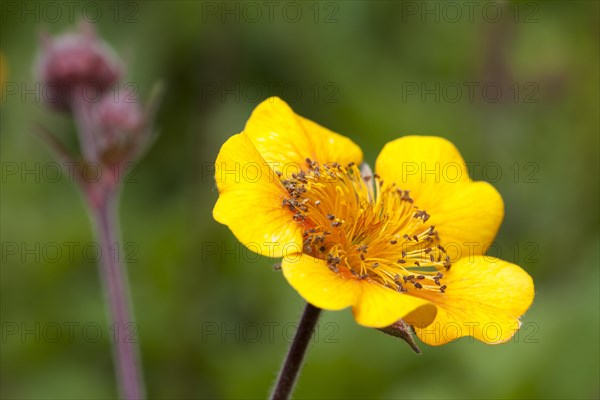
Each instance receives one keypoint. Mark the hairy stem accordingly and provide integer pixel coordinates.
(293, 361)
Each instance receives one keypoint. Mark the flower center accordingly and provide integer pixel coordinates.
(365, 229)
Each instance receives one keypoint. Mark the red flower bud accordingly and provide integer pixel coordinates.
(118, 122)
(120, 114)
(72, 62)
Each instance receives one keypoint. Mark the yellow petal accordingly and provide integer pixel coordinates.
(378, 307)
(317, 284)
(484, 298)
(466, 214)
(285, 139)
(250, 201)
(373, 305)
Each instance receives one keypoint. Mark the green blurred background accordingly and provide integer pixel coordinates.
(213, 320)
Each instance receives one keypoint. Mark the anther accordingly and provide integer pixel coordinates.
(422, 214)
(298, 217)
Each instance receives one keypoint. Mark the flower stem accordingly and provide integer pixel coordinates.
(293, 361)
(116, 291)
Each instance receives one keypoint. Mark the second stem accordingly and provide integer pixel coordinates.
(116, 291)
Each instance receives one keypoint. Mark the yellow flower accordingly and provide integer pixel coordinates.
(380, 244)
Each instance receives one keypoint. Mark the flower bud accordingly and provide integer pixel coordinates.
(118, 121)
(74, 63)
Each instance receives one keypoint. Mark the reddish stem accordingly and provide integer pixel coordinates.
(116, 290)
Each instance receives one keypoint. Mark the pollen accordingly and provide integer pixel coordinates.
(364, 229)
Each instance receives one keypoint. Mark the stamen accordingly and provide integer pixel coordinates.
(379, 233)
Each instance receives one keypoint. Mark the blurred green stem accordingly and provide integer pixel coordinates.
(116, 291)
(293, 361)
